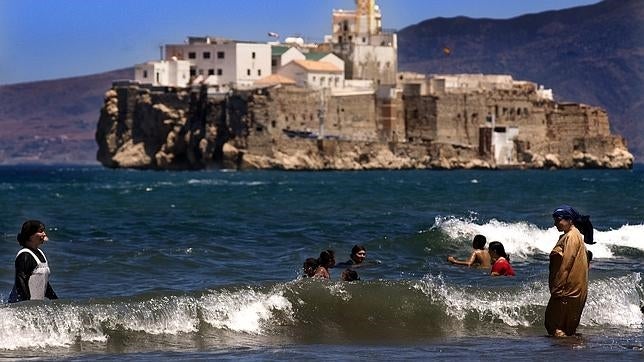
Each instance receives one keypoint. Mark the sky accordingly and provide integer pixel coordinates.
(50, 39)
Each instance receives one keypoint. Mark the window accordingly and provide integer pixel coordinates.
(220, 55)
(193, 71)
(364, 40)
(145, 74)
(158, 77)
(247, 71)
(259, 72)
(220, 71)
(211, 71)
(200, 71)
(192, 55)
(273, 62)
(206, 55)
(253, 55)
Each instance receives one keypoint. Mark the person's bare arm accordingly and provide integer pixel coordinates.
(467, 262)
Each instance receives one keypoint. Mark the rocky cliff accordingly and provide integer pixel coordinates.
(291, 128)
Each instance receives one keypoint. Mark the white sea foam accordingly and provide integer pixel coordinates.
(612, 302)
(165, 315)
(510, 306)
(45, 326)
(522, 239)
(243, 311)
(42, 325)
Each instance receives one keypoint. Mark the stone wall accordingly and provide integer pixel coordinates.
(142, 127)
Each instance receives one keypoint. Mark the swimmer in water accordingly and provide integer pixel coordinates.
(480, 257)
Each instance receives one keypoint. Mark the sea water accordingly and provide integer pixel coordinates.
(207, 264)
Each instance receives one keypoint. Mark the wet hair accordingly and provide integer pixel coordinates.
(29, 228)
(349, 275)
(309, 266)
(326, 257)
(479, 242)
(498, 248)
(581, 222)
(357, 248)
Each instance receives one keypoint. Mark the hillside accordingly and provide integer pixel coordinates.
(53, 121)
(591, 54)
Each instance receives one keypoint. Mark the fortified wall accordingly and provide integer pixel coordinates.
(297, 128)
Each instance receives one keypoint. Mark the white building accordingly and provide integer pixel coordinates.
(282, 55)
(223, 62)
(503, 144)
(312, 74)
(369, 51)
(325, 57)
(171, 73)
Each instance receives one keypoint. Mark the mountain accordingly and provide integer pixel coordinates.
(53, 121)
(591, 54)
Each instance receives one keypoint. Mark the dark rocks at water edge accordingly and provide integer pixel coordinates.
(302, 129)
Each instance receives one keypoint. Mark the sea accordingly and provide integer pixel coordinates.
(207, 265)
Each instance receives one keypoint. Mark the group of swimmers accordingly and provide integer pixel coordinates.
(319, 268)
(494, 256)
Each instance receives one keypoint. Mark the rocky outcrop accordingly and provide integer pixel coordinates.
(181, 129)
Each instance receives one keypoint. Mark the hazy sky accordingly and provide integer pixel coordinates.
(49, 39)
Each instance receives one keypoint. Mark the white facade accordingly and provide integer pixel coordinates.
(326, 57)
(503, 144)
(282, 55)
(224, 62)
(545, 93)
(170, 73)
(312, 74)
(358, 37)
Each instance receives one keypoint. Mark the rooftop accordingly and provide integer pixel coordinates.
(315, 66)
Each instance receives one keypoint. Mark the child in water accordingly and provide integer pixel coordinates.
(480, 257)
(325, 261)
(501, 260)
(309, 267)
(349, 275)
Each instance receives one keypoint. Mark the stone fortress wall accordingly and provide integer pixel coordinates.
(297, 128)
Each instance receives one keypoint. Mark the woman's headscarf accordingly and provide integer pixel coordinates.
(581, 222)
